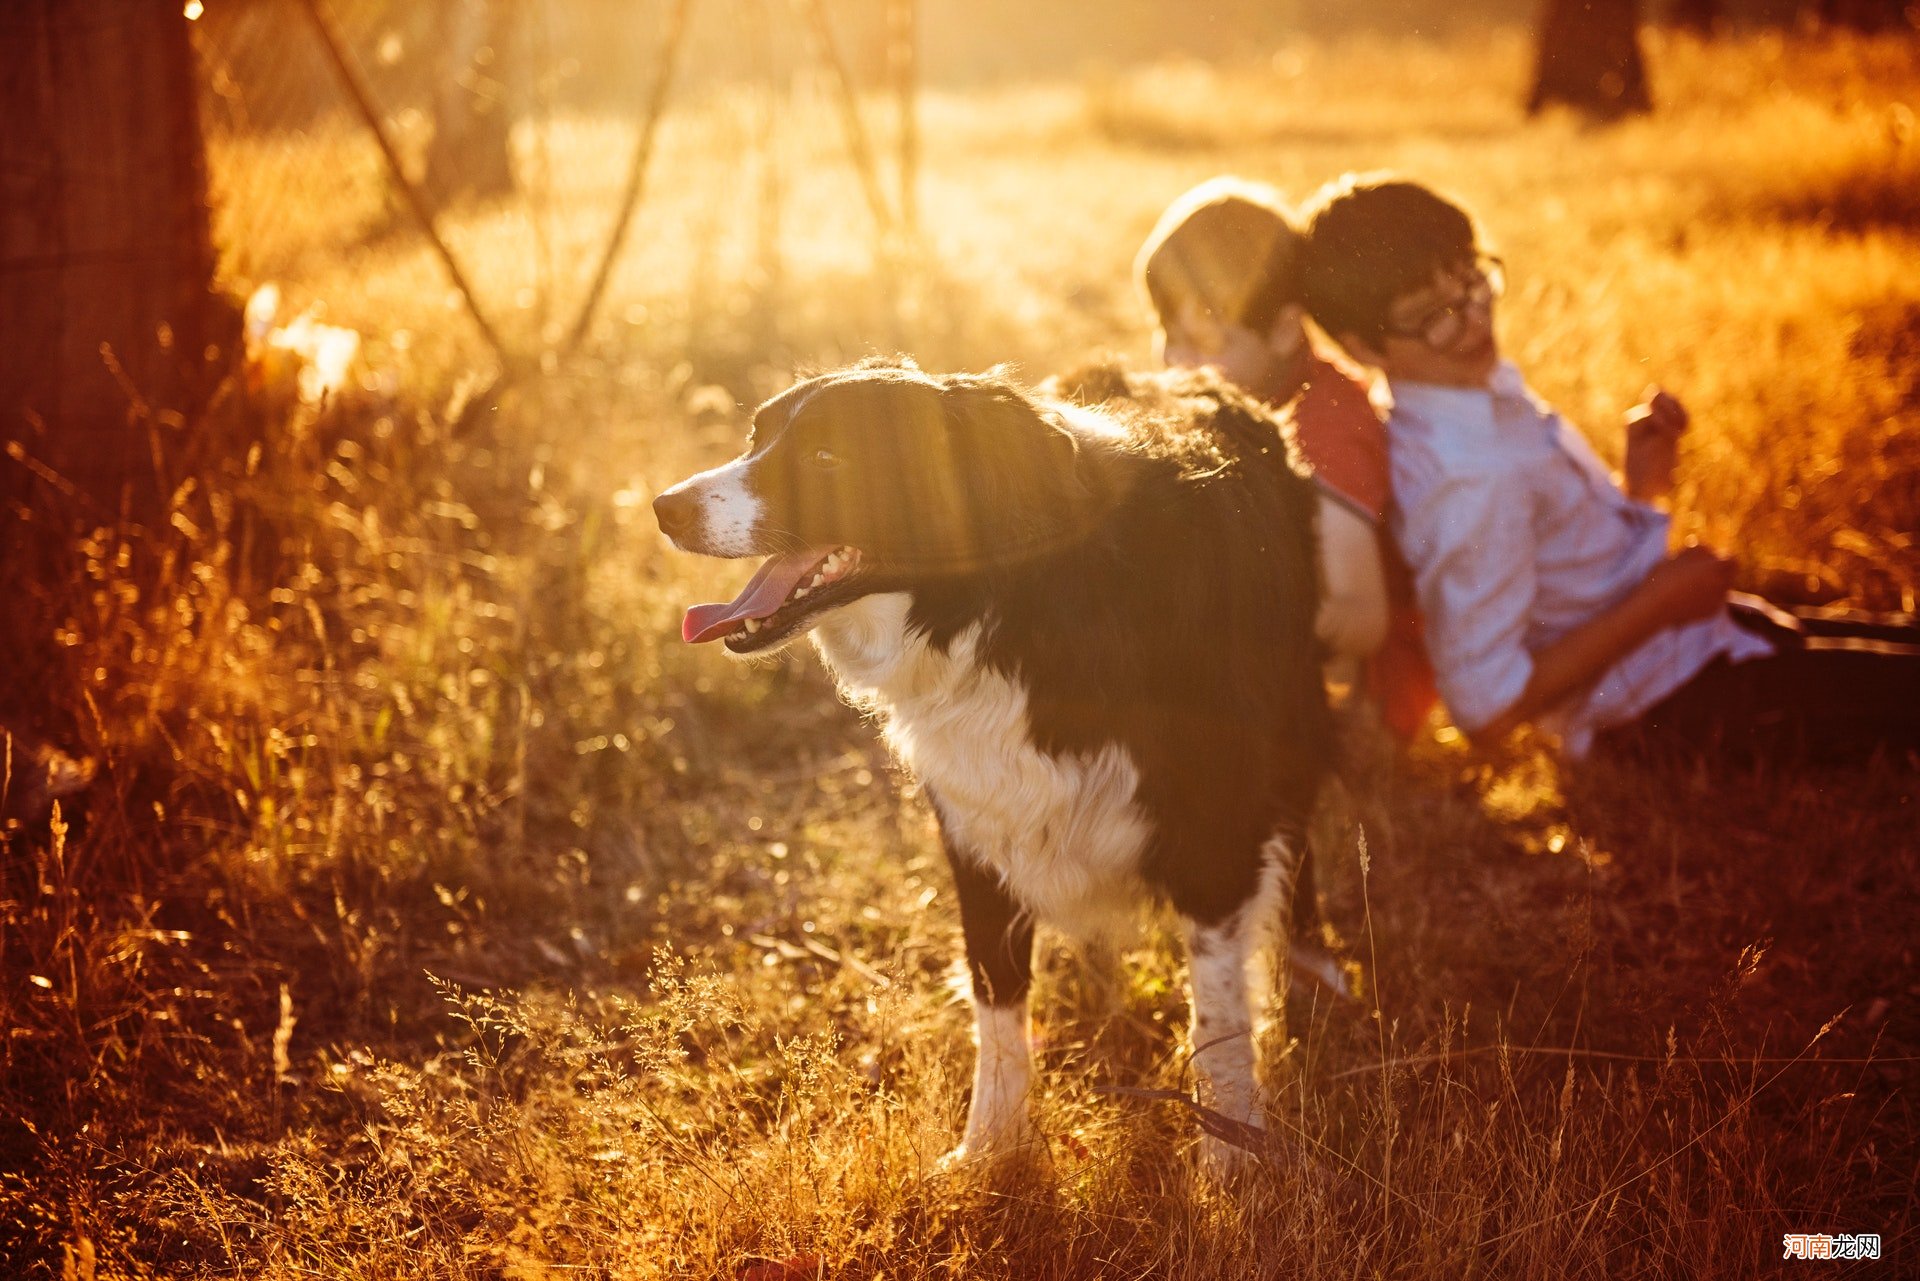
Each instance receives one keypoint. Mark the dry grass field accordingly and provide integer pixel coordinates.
(436, 913)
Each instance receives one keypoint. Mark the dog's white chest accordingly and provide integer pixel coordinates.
(1063, 831)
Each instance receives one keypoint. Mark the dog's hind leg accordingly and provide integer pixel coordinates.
(999, 939)
(1232, 963)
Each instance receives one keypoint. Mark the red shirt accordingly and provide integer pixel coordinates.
(1346, 443)
(1343, 438)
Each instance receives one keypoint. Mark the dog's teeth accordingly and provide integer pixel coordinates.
(817, 580)
(799, 592)
(753, 625)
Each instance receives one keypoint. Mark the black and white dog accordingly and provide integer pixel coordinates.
(1088, 630)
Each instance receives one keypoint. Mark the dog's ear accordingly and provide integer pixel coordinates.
(992, 406)
(1028, 463)
(772, 414)
(981, 404)
(1078, 465)
(899, 360)
(1093, 382)
(1013, 441)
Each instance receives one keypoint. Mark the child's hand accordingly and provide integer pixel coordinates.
(1693, 583)
(1653, 443)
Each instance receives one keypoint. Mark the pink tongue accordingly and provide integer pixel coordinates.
(762, 596)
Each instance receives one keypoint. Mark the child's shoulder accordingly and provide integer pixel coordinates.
(1342, 436)
(1336, 395)
(1441, 451)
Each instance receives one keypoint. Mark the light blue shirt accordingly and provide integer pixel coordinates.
(1517, 535)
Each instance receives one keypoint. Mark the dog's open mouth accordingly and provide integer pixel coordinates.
(785, 590)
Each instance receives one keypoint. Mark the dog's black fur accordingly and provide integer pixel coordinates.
(1151, 589)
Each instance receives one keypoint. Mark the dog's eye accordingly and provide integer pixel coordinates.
(825, 459)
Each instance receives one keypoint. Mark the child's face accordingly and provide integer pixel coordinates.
(1265, 365)
(1443, 331)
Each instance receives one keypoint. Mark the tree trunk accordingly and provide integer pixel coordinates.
(107, 316)
(1867, 15)
(469, 157)
(109, 329)
(1589, 59)
(1697, 16)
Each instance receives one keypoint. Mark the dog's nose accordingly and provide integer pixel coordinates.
(678, 513)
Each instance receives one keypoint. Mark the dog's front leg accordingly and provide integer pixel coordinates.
(1223, 1033)
(1231, 961)
(999, 939)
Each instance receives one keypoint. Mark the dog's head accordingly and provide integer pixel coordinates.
(874, 479)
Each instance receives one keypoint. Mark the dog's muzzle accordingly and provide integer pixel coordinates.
(678, 512)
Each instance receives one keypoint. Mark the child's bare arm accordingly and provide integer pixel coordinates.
(1691, 583)
(1654, 429)
(1353, 606)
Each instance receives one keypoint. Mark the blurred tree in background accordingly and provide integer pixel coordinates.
(1867, 15)
(472, 117)
(1698, 16)
(106, 261)
(110, 332)
(1589, 59)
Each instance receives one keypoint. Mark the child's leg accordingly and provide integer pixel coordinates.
(1829, 699)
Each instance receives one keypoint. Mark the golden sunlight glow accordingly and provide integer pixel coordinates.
(386, 889)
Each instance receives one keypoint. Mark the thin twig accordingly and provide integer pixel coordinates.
(857, 144)
(1380, 1024)
(636, 173)
(1616, 1188)
(1420, 1060)
(416, 203)
(903, 29)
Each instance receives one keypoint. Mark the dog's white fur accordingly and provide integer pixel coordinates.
(998, 1120)
(1066, 839)
(1061, 831)
(1236, 971)
(729, 511)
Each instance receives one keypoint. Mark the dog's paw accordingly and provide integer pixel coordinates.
(966, 1161)
(1222, 1163)
(996, 1155)
(1230, 1151)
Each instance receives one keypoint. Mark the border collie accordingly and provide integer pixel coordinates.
(1087, 629)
